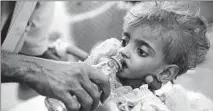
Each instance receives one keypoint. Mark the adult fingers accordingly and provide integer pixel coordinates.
(102, 81)
(70, 102)
(83, 97)
(93, 91)
(153, 83)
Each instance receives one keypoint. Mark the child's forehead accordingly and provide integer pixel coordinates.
(152, 35)
(150, 32)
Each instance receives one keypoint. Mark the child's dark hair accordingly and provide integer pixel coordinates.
(183, 32)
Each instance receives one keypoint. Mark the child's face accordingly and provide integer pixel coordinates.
(142, 49)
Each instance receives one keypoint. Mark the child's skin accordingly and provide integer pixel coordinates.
(142, 49)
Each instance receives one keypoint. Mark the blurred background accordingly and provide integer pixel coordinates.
(84, 24)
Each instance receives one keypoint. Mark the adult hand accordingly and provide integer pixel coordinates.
(56, 79)
(64, 81)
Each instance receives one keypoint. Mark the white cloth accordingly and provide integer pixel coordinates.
(179, 99)
(171, 98)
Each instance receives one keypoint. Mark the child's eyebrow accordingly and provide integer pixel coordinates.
(126, 34)
(139, 41)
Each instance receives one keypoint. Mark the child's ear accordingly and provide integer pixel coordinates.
(168, 73)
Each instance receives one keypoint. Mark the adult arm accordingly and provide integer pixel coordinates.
(56, 79)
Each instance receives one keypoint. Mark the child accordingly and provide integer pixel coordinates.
(160, 42)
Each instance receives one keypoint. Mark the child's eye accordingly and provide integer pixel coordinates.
(141, 52)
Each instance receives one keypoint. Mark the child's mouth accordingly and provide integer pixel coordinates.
(124, 65)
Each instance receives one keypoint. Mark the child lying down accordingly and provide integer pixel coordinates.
(160, 42)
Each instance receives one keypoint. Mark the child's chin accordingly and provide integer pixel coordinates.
(123, 74)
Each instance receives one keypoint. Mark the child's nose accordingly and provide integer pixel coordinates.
(124, 52)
